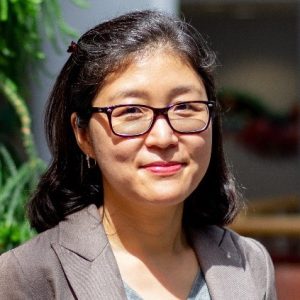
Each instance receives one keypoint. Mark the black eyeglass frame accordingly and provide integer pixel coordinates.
(156, 112)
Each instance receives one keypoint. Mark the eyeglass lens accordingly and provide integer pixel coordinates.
(137, 119)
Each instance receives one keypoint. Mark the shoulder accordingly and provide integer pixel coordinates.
(223, 249)
(249, 247)
(28, 267)
(257, 261)
(250, 251)
(35, 249)
(253, 252)
(34, 270)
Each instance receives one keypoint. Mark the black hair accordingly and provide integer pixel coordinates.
(68, 185)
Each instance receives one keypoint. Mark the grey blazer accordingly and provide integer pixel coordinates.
(74, 260)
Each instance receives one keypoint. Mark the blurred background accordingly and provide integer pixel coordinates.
(257, 45)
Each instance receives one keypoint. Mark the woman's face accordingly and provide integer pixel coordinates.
(161, 167)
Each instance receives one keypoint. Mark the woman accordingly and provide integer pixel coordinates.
(136, 198)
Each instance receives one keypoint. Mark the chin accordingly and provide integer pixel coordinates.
(165, 200)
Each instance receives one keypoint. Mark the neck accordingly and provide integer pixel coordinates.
(150, 231)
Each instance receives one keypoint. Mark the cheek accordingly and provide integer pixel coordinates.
(114, 155)
(107, 146)
(112, 162)
(201, 145)
(200, 152)
(110, 156)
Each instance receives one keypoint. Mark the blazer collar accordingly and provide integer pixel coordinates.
(83, 234)
(222, 264)
(87, 258)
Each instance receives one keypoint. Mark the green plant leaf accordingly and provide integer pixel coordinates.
(14, 199)
(23, 173)
(3, 10)
(8, 160)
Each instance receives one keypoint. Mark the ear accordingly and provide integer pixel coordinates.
(82, 135)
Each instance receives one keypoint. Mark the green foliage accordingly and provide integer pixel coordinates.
(9, 91)
(16, 185)
(17, 182)
(22, 22)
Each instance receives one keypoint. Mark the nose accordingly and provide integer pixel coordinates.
(161, 134)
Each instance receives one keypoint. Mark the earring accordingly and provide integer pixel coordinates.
(81, 168)
(88, 161)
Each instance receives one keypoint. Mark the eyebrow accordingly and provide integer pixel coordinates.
(175, 92)
(184, 89)
(129, 94)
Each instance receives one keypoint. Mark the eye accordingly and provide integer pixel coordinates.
(127, 111)
(187, 107)
(182, 106)
(132, 110)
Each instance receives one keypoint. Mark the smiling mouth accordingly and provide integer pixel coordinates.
(164, 168)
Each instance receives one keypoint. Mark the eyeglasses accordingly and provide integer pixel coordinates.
(128, 120)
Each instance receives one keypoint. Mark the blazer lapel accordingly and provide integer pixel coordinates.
(222, 265)
(86, 257)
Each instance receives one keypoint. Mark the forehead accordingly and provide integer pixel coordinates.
(153, 72)
(151, 52)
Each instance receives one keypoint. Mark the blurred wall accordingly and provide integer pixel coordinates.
(258, 52)
(80, 20)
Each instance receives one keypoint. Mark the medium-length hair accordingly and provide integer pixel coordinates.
(69, 185)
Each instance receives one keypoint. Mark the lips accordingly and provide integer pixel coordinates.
(164, 168)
